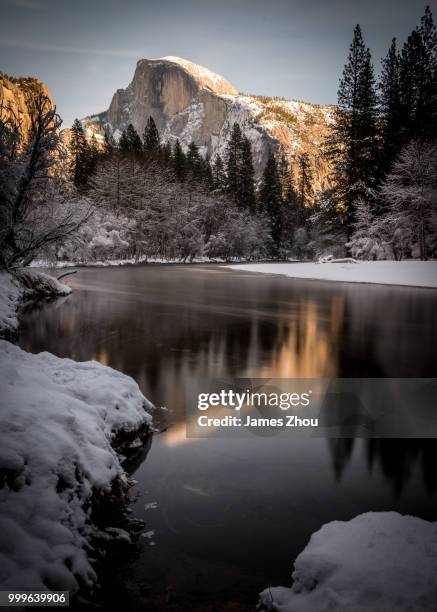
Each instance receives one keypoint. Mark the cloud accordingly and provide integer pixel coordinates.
(25, 44)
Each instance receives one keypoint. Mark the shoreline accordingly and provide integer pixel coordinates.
(342, 269)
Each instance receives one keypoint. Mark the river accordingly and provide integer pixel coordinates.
(226, 517)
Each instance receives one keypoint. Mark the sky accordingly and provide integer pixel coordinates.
(86, 49)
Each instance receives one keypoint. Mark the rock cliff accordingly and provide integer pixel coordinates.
(191, 103)
(17, 97)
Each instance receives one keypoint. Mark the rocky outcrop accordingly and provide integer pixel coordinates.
(191, 103)
(17, 99)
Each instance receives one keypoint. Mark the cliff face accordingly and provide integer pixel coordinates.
(17, 98)
(192, 103)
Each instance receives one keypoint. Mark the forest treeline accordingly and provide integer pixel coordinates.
(143, 198)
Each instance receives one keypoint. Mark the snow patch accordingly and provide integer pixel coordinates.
(378, 561)
(410, 273)
(205, 77)
(58, 419)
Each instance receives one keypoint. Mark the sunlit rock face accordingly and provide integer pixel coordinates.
(191, 103)
(17, 99)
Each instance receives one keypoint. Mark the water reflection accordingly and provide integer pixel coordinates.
(400, 460)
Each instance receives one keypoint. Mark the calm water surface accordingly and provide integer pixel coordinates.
(229, 516)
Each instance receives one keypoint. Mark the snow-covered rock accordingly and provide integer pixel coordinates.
(191, 103)
(24, 285)
(58, 422)
(376, 562)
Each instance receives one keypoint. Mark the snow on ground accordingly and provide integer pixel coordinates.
(57, 420)
(411, 273)
(27, 285)
(377, 562)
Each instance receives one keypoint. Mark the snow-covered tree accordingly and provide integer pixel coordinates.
(327, 224)
(38, 207)
(370, 238)
(410, 191)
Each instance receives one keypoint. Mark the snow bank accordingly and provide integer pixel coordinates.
(10, 295)
(377, 562)
(411, 273)
(58, 419)
(25, 285)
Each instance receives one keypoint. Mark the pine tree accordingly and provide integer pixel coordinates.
(79, 155)
(418, 74)
(240, 172)
(246, 196)
(151, 137)
(108, 144)
(390, 109)
(271, 202)
(194, 165)
(219, 181)
(94, 153)
(206, 173)
(233, 151)
(304, 187)
(353, 141)
(428, 32)
(179, 161)
(165, 154)
(130, 142)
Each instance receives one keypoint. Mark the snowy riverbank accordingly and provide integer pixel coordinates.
(59, 421)
(61, 481)
(27, 285)
(378, 561)
(410, 273)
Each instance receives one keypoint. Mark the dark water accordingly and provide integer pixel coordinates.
(229, 516)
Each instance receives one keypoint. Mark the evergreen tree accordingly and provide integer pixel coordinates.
(219, 181)
(94, 153)
(151, 137)
(79, 155)
(108, 144)
(286, 180)
(233, 151)
(271, 202)
(130, 142)
(239, 170)
(353, 141)
(304, 187)
(246, 194)
(194, 165)
(165, 154)
(207, 173)
(390, 109)
(418, 73)
(179, 161)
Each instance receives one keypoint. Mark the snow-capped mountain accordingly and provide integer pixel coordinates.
(191, 103)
